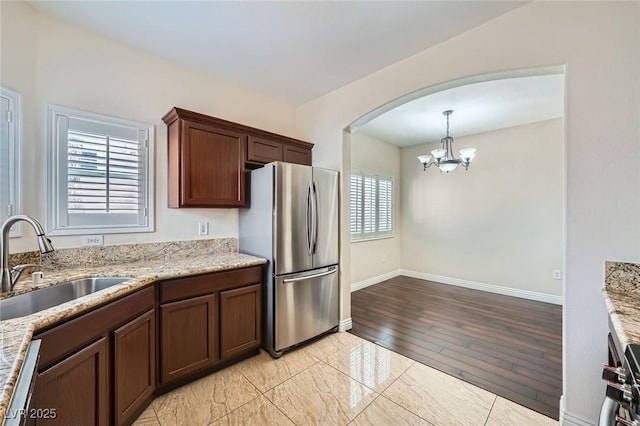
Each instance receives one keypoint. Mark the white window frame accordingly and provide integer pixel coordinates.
(57, 224)
(361, 235)
(14, 119)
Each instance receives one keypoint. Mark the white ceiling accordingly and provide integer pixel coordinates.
(478, 107)
(292, 50)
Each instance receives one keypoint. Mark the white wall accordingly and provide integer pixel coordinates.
(377, 257)
(498, 223)
(599, 43)
(50, 61)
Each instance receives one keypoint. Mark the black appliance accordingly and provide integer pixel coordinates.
(621, 406)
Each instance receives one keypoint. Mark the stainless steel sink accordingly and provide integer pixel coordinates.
(38, 300)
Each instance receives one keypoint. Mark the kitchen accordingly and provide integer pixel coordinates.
(597, 42)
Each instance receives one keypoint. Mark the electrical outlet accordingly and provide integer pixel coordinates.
(383, 258)
(203, 228)
(556, 274)
(92, 240)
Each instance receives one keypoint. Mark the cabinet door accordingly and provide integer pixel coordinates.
(74, 391)
(188, 336)
(260, 150)
(240, 320)
(298, 155)
(212, 163)
(134, 365)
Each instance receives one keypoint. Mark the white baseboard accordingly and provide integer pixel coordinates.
(567, 419)
(345, 324)
(374, 280)
(491, 288)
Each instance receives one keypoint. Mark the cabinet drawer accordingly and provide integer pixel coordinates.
(65, 338)
(260, 150)
(182, 288)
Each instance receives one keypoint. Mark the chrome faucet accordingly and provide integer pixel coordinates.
(9, 276)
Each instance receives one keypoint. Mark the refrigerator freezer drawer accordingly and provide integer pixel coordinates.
(306, 306)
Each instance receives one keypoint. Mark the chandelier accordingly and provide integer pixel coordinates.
(443, 157)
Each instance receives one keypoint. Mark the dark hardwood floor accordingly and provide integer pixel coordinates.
(506, 345)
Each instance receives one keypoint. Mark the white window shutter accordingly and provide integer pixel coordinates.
(101, 174)
(355, 218)
(369, 205)
(371, 214)
(385, 205)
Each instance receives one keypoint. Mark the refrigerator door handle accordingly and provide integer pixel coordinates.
(306, 277)
(309, 212)
(314, 217)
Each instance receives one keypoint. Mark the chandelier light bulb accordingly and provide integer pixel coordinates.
(439, 153)
(467, 154)
(424, 159)
(448, 166)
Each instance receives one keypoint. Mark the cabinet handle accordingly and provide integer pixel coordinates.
(306, 277)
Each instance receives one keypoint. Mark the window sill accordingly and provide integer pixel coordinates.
(362, 240)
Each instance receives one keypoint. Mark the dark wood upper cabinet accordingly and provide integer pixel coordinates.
(206, 164)
(207, 157)
(296, 154)
(262, 151)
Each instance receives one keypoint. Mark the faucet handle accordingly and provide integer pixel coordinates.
(17, 270)
(25, 266)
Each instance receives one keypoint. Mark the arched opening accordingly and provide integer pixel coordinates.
(498, 227)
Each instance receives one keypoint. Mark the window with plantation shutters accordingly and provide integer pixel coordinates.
(10, 116)
(102, 173)
(371, 213)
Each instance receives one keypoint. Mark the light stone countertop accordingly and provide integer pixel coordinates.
(15, 334)
(622, 297)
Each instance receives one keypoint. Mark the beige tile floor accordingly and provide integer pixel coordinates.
(338, 380)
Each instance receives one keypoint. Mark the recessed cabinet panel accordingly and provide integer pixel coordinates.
(74, 391)
(212, 166)
(134, 365)
(189, 336)
(261, 150)
(239, 320)
(298, 155)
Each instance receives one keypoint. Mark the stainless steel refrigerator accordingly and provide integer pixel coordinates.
(292, 220)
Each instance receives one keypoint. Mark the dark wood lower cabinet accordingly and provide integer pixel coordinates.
(134, 366)
(189, 336)
(240, 320)
(74, 391)
(103, 367)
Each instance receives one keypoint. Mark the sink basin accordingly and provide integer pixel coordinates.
(38, 300)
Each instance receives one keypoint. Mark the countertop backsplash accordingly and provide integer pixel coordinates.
(104, 255)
